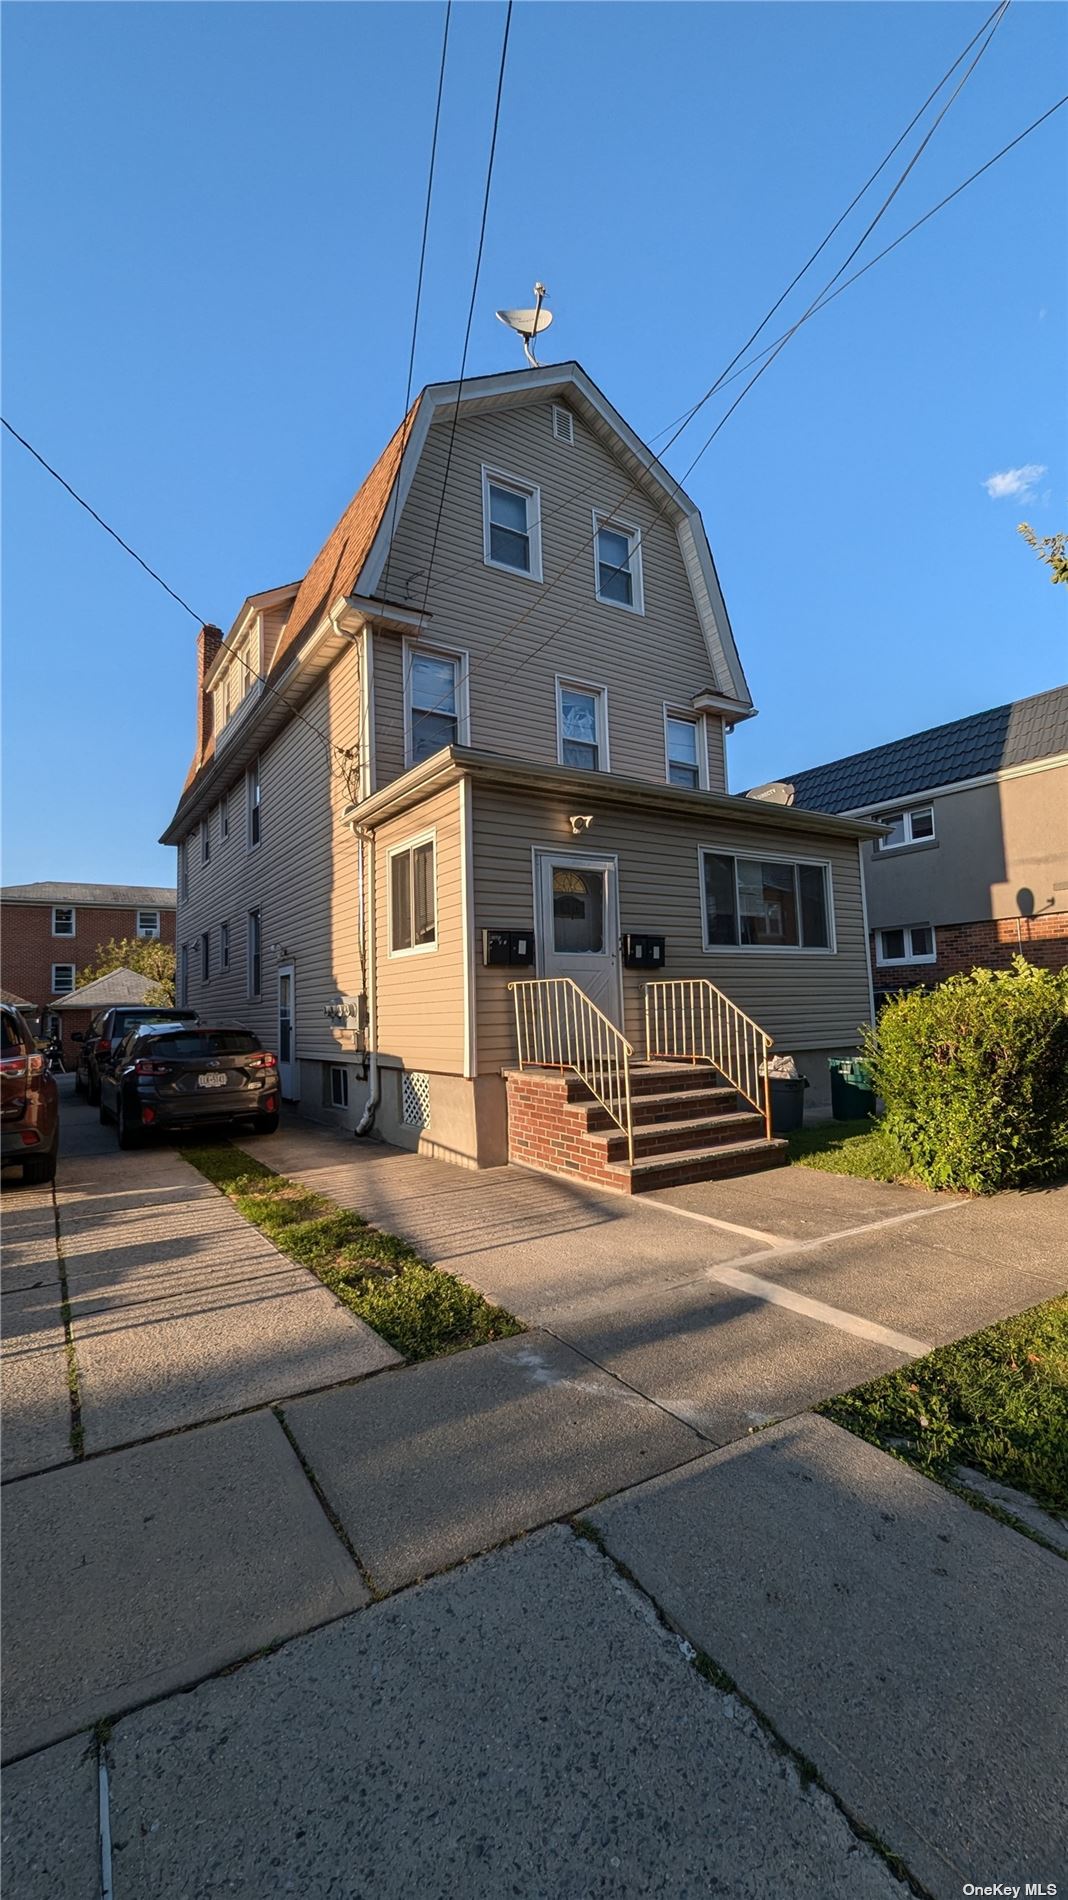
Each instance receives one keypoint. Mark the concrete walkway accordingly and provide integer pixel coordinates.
(258, 1470)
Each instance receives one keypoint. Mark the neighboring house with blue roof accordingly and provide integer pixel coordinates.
(974, 864)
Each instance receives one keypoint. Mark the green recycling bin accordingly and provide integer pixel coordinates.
(852, 1095)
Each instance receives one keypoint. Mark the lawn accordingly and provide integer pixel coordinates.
(416, 1309)
(997, 1401)
(862, 1148)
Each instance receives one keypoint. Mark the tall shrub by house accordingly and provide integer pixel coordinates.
(974, 1076)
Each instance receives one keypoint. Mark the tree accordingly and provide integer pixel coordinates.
(149, 956)
(1053, 549)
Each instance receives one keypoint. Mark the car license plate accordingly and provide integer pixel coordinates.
(211, 1081)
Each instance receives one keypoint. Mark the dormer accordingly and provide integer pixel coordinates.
(234, 680)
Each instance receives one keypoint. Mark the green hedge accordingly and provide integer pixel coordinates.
(974, 1076)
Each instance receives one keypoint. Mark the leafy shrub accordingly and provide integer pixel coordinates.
(974, 1075)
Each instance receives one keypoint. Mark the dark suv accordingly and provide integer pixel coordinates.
(183, 1075)
(29, 1100)
(104, 1035)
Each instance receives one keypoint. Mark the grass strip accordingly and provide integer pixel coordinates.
(417, 1309)
(861, 1148)
(997, 1401)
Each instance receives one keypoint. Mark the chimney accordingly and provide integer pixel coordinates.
(209, 640)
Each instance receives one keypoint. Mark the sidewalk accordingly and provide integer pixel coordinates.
(261, 1471)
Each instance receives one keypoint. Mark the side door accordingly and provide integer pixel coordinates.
(576, 914)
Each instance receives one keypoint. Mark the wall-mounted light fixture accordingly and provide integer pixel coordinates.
(580, 823)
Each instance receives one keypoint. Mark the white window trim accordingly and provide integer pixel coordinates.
(224, 817)
(600, 694)
(149, 936)
(65, 935)
(339, 1069)
(689, 718)
(253, 776)
(224, 943)
(73, 968)
(247, 647)
(410, 652)
(883, 961)
(205, 955)
(634, 535)
(411, 844)
(907, 811)
(765, 949)
(205, 838)
(533, 495)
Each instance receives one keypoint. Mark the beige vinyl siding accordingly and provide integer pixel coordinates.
(642, 659)
(303, 877)
(805, 1000)
(420, 996)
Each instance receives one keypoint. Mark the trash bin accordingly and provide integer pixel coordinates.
(787, 1103)
(852, 1095)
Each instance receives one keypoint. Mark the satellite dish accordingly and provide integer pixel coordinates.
(528, 323)
(779, 792)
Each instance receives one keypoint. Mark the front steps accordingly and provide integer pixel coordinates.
(687, 1127)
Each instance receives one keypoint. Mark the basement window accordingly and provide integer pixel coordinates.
(909, 943)
(339, 1088)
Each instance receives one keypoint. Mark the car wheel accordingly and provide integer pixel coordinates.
(266, 1124)
(129, 1137)
(39, 1169)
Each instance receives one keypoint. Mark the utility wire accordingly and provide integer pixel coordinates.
(989, 27)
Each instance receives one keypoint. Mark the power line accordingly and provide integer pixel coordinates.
(990, 27)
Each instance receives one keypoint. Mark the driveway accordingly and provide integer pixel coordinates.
(343, 1620)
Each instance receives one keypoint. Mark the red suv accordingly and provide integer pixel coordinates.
(29, 1100)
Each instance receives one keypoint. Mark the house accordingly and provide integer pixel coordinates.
(973, 865)
(459, 802)
(52, 931)
(73, 1014)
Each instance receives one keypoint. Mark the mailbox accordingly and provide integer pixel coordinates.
(643, 952)
(508, 946)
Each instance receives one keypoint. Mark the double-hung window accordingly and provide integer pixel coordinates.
(205, 838)
(224, 816)
(413, 923)
(582, 725)
(62, 979)
(148, 923)
(685, 760)
(906, 827)
(511, 524)
(224, 946)
(62, 921)
(765, 903)
(255, 953)
(205, 955)
(618, 564)
(254, 814)
(911, 943)
(436, 710)
(183, 868)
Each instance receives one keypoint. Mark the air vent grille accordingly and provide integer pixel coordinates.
(563, 425)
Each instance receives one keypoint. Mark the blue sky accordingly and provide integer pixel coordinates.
(212, 224)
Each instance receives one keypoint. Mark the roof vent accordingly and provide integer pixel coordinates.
(563, 425)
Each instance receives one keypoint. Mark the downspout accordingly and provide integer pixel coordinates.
(367, 889)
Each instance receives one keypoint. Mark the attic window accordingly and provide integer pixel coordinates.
(563, 425)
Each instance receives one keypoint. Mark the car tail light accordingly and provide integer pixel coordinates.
(29, 1137)
(103, 1046)
(148, 1114)
(270, 1104)
(14, 1065)
(263, 1059)
(152, 1068)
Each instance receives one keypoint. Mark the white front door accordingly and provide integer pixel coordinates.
(287, 1052)
(576, 909)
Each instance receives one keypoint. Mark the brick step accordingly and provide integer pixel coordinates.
(648, 1079)
(682, 1137)
(704, 1164)
(660, 1108)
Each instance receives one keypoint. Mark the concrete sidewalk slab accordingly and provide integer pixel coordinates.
(450, 1458)
(519, 1727)
(132, 1575)
(911, 1647)
(924, 1271)
(723, 1360)
(51, 1824)
(1029, 1229)
(29, 1257)
(36, 1399)
(799, 1203)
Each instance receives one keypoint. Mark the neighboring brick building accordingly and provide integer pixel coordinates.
(51, 932)
(974, 868)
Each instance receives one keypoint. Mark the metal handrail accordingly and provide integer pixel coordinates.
(688, 1019)
(557, 1027)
